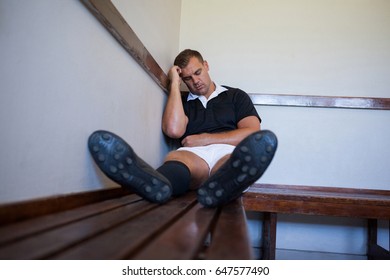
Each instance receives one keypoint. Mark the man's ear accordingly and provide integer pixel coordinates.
(206, 65)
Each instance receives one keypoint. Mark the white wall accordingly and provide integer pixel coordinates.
(62, 76)
(321, 47)
(157, 24)
(328, 47)
(305, 47)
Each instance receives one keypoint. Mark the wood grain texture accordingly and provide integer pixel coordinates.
(312, 200)
(18, 211)
(230, 229)
(370, 103)
(127, 227)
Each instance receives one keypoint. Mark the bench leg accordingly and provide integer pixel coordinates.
(269, 236)
(374, 251)
(372, 237)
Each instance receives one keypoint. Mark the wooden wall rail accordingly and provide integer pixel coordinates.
(321, 101)
(111, 19)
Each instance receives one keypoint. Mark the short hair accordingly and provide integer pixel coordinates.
(183, 58)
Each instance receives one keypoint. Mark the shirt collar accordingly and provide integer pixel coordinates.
(218, 89)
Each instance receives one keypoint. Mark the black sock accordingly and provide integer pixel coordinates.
(178, 174)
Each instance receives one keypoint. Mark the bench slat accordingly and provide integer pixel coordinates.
(232, 220)
(318, 201)
(314, 208)
(184, 239)
(47, 243)
(17, 211)
(344, 195)
(29, 227)
(123, 241)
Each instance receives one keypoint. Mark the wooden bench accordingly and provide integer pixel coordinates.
(115, 224)
(270, 199)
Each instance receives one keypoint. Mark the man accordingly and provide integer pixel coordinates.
(223, 150)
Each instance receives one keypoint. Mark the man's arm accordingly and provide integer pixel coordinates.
(246, 126)
(174, 120)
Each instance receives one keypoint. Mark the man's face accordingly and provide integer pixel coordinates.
(196, 76)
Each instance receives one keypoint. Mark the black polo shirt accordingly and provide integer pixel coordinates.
(221, 114)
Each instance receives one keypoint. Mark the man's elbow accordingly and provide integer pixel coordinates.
(173, 132)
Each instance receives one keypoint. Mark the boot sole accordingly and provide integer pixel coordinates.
(247, 164)
(117, 160)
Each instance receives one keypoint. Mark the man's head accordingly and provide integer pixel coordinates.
(195, 72)
(183, 58)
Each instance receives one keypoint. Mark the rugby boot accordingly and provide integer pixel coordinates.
(120, 163)
(245, 166)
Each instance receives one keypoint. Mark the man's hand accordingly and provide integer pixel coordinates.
(196, 140)
(174, 75)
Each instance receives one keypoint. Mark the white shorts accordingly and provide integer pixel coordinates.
(211, 154)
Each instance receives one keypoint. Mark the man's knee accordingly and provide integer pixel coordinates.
(174, 155)
(199, 169)
(219, 163)
(187, 158)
